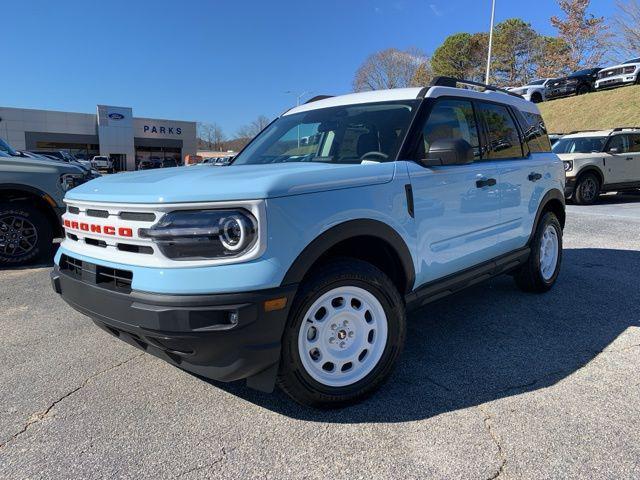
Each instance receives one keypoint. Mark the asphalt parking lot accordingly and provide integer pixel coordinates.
(492, 383)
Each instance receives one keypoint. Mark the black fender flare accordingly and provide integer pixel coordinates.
(54, 214)
(552, 195)
(25, 188)
(344, 231)
(588, 169)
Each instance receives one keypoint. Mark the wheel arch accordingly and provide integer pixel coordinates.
(590, 169)
(553, 201)
(39, 199)
(369, 240)
(537, 94)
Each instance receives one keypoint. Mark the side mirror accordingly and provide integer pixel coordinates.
(614, 150)
(449, 152)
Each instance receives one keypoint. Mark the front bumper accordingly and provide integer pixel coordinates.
(569, 186)
(223, 337)
(616, 81)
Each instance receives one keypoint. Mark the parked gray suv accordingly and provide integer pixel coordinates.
(31, 193)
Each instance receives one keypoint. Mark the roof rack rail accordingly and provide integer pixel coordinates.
(582, 131)
(453, 82)
(318, 97)
(619, 129)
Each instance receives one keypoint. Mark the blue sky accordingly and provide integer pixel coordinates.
(222, 61)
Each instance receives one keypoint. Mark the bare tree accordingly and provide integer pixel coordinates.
(253, 128)
(392, 68)
(211, 136)
(627, 24)
(587, 37)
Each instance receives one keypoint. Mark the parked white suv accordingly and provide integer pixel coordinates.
(600, 161)
(534, 91)
(626, 73)
(101, 162)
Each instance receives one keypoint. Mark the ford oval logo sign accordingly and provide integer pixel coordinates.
(116, 116)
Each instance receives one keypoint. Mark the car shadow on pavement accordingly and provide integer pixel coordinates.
(493, 341)
(617, 198)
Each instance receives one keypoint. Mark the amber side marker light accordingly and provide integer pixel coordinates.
(275, 304)
(49, 200)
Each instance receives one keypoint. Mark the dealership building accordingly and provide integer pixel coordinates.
(112, 131)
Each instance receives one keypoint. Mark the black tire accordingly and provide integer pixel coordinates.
(587, 189)
(26, 235)
(536, 98)
(294, 379)
(583, 89)
(529, 277)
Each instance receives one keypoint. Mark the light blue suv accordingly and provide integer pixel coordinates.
(296, 264)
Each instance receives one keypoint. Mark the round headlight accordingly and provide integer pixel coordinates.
(234, 233)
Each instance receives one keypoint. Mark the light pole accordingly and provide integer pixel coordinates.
(298, 98)
(493, 12)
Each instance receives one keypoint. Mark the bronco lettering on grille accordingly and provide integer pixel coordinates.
(95, 228)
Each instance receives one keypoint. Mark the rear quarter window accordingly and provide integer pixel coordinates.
(535, 133)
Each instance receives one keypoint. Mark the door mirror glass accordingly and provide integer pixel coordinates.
(449, 152)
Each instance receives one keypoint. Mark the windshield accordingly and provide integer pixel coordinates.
(537, 82)
(633, 60)
(361, 133)
(5, 148)
(579, 145)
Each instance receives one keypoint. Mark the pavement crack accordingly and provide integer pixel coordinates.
(41, 415)
(224, 451)
(488, 425)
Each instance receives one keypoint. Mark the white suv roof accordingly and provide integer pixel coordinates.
(416, 93)
(600, 133)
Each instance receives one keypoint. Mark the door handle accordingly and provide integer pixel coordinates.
(535, 176)
(486, 182)
(629, 158)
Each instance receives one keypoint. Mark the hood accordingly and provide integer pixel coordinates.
(234, 182)
(40, 162)
(578, 156)
(524, 88)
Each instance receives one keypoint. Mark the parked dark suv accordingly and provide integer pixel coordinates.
(578, 83)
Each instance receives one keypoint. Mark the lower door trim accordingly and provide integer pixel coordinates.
(450, 284)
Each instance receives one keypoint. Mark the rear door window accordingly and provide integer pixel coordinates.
(503, 139)
(634, 143)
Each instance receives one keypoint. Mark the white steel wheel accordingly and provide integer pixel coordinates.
(549, 252)
(342, 336)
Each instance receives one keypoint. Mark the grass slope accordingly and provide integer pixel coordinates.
(594, 111)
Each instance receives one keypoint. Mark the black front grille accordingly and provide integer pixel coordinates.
(97, 213)
(105, 277)
(607, 73)
(95, 243)
(113, 278)
(138, 216)
(71, 265)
